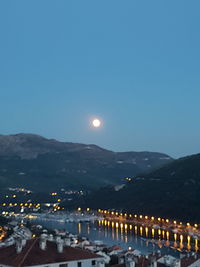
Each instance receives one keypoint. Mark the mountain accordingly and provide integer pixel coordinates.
(173, 191)
(42, 164)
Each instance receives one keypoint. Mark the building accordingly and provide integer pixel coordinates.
(41, 252)
(156, 260)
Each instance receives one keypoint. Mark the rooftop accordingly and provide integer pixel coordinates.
(32, 254)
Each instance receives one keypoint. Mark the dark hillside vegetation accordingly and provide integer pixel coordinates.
(43, 165)
(171, 191)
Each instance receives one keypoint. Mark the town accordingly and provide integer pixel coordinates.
(59, 247)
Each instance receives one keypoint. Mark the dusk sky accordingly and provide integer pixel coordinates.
(135, 64)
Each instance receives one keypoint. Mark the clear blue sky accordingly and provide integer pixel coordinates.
(134, 63)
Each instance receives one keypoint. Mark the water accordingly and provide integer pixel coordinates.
(126, 235)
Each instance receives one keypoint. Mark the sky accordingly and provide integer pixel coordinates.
(135, 64)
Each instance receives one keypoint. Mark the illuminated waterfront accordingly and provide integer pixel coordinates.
(145, 239)
(157, 237)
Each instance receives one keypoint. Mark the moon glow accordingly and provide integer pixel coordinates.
(96, 123)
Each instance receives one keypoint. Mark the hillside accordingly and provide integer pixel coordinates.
(172, 190)
(42, 164)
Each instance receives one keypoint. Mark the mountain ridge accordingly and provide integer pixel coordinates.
(55, 141)
(172, 190)
(26, 157)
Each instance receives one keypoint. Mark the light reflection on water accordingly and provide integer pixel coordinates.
(145, 239)
(161, 238)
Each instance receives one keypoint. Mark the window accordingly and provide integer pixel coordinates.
(63, 265)
(93, 262)
(79, 264)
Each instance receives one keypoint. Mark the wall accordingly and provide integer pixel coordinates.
(85, 263)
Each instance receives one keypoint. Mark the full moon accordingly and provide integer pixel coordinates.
(96, 123)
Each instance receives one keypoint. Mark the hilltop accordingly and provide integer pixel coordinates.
(42, 164)
(172, 191)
